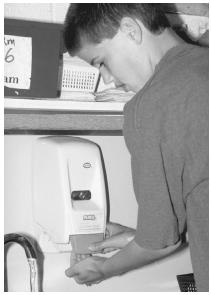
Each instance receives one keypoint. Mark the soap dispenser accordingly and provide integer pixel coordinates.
(69, 193)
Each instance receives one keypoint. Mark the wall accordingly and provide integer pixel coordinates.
(18, 204)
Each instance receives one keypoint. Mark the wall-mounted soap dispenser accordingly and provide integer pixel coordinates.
(69, 193)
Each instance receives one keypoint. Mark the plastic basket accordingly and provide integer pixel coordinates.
(186, 283)
(79, 78)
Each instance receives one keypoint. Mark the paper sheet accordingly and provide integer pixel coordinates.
(17, 61)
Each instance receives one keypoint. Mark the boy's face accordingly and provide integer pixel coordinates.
(118, 61)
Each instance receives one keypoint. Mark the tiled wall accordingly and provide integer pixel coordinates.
(49, 12)
(195, 25)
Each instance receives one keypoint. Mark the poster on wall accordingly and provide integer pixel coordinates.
(33, 59)
(17, 61)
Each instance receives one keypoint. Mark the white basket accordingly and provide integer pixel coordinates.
(79, 78)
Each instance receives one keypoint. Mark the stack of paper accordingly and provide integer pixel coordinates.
(77, 96)
(114, 95)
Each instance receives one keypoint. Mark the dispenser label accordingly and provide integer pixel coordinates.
(90, 223)
(89, 217)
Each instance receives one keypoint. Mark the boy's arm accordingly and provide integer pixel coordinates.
(95, 269)
(133, 256)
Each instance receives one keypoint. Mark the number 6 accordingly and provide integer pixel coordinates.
(9, 57)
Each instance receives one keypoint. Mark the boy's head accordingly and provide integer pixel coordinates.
(94, 22)
(116, 38)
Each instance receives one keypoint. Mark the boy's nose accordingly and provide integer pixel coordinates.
(106, 75)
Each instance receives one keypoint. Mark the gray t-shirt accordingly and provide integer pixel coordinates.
(166, 132)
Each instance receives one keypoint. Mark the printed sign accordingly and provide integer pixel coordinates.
(17, 61)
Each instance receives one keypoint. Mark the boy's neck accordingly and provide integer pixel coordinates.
(161, 44)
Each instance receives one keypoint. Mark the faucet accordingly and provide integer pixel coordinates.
(30, 254)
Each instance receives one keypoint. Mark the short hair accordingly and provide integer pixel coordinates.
(98, 21)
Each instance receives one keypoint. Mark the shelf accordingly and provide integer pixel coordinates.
(62, 105)
(35, 116)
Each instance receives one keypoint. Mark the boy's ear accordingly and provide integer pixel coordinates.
(131, 28)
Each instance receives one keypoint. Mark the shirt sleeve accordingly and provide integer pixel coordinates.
(157, 225)
(186, 141)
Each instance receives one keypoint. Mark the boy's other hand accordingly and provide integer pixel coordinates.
(117, 236)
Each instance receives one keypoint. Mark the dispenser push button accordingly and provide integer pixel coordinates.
(81, 195)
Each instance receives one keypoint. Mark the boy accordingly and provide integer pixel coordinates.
(165, 129)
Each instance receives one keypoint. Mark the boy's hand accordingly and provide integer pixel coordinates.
(117, 236)
(75, 258)
(87, 271)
